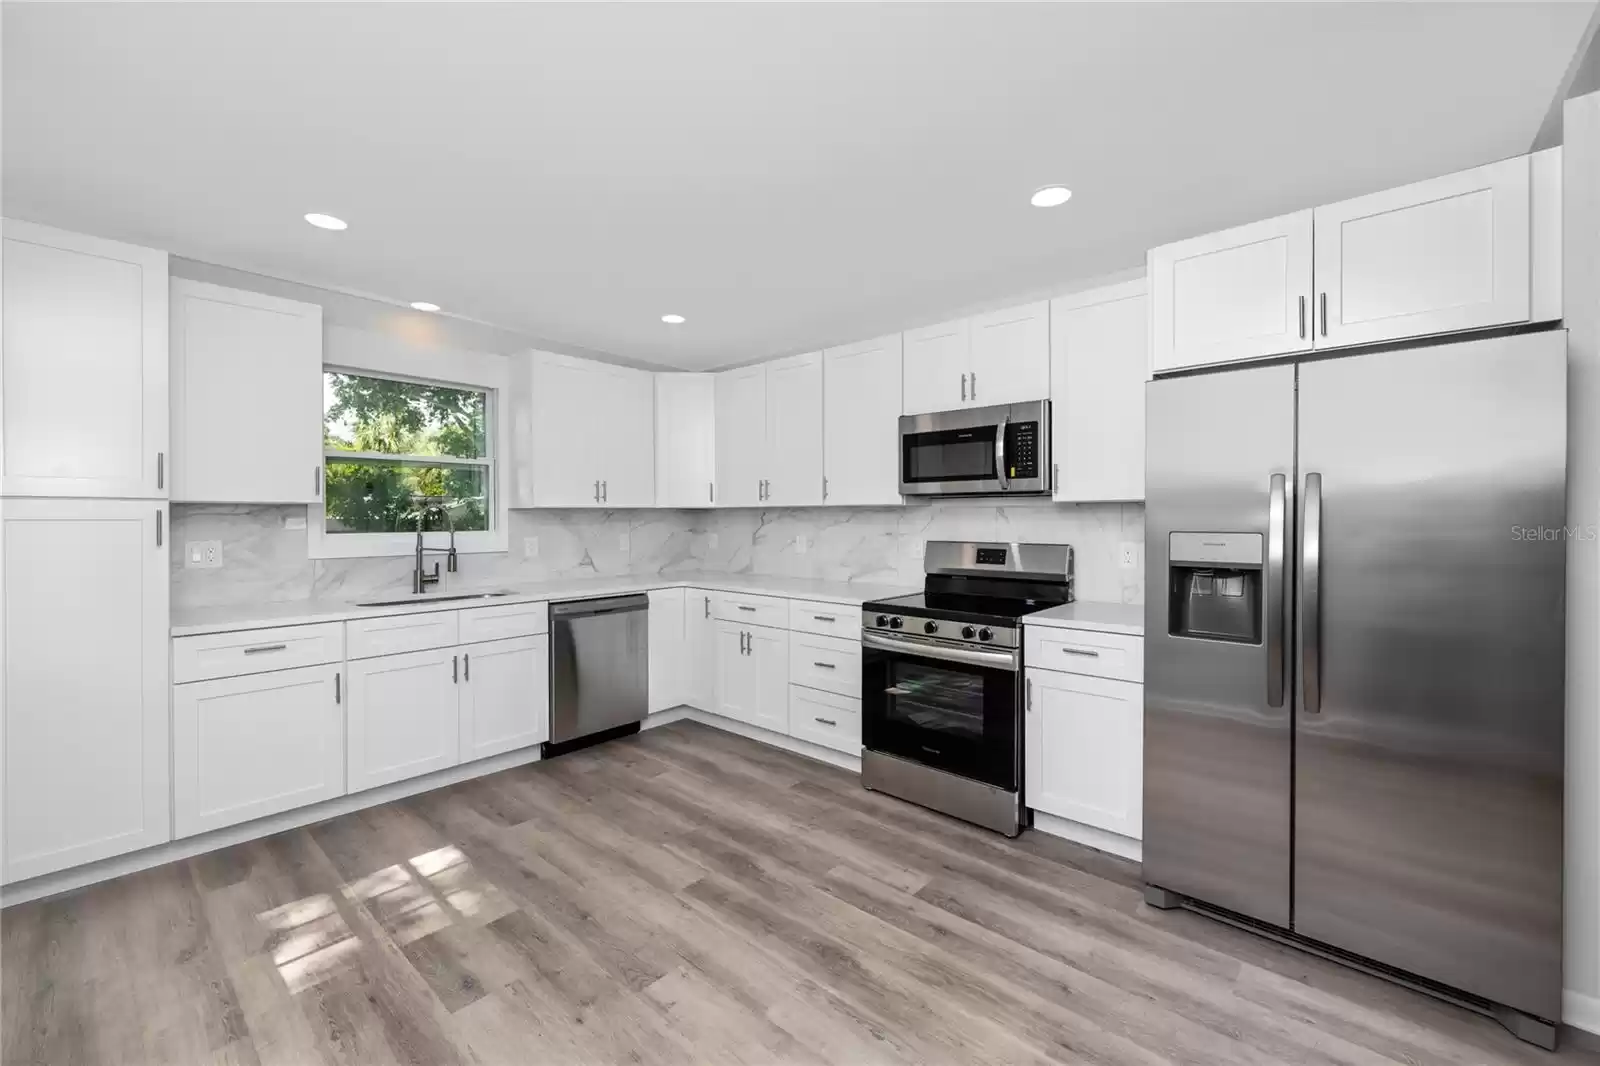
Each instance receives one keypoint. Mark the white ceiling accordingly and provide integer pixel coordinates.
(786, 176)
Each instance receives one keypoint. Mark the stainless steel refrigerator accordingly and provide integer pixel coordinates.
(1355, 649)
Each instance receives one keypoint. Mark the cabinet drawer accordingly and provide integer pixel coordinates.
(752, 610)
(1083, 651)
(825, 718)
(825, 619)
(366, 637)
(254, 651)
(830, 663)
(504, 620)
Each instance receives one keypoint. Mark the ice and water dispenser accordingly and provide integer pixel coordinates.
(1214, 588)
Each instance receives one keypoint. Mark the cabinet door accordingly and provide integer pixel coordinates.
(861, 415)
(1435, 257)
(769, 650)
(628, 478)
(738, 675)
(741, 436)
(1084, 745)
(700, 651)
(403, 718)
(566, 450)
(83, 365)
(937, 361)
(85, 682)
(1100, 361)
(794, 431)
(505, 695)
(667, 667)
(1240, 294)
(1010, 356)
(246, 396)
(686, 457)
(246, 747)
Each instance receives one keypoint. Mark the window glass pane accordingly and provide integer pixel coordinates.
(372, 496)
(370, 414)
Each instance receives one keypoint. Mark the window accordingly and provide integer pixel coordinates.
(397, 449)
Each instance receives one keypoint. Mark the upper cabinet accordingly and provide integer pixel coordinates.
(1099, 343)
(861, 420)
(686, 457)
(741, 436)
(1435, 257)
(246, 396)
(999, 357)
(84, 366)
(769, 433)
(561, 459)
(1243, 293)
(1465, 251)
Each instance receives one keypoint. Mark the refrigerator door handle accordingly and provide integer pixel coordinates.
(1276, 600)
(1311, 596)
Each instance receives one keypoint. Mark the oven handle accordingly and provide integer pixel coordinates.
(1001, 660)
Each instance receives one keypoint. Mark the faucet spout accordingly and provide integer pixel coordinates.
(421, 579)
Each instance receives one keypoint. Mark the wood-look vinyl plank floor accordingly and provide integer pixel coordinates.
(681, 897)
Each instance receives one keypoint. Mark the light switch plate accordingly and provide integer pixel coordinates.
(202, 554)
(916, 549)
(711, 540)
(802, 543)
(530, 547)
(1130, 555)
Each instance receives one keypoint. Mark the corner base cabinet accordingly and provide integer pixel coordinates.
(85, 676)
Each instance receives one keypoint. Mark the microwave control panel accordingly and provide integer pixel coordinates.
(1022, 450)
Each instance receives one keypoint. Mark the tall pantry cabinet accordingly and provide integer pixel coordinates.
(84, 472)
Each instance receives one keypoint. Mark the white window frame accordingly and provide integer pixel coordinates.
(349, 351)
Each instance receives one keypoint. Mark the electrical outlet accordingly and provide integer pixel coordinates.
(622, 542)
(294, 521)
(1130, 555)
(802, 543)
(916, 549)
(530, 547)
(202, 554)
(711, 540)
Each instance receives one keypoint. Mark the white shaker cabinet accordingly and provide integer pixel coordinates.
(246, 396)
(741, 436)
(753, 675)
(1099, 343)
(246, 747)
(504, 695)
(84, 366)
(686, 455)
(585, 436)
(1083, 742)
(1010, 360)
(861, 418)
(1243, 293)
(629, 476)
(403, 716)
(937, 362)
(667, 669)
(1438, 256)
(85, 682)
(793, 470)
(699, 662)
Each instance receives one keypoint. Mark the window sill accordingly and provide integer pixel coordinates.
(320, 545)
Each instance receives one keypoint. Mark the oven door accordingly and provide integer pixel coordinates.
(952, 707)
(978, 451)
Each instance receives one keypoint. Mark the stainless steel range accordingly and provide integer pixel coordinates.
(942, 683)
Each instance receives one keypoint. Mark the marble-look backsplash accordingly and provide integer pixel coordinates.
(263, 561)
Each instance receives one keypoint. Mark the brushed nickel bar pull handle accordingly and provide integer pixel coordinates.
(316, 481)
(1030, 693)
(161, 470)
(1276, 599)
(826, 721)
(1311, 596)
(466, 666)
(1302, 317)
(742, 607)
(963, 388)
(455, 669)
(605, 492)
(826, 666)
(259, 648)
(1324, 314)
(974, 384)
(825, 617)
(336, 696)
(159, 515)
(708, 606)
(1082, 651)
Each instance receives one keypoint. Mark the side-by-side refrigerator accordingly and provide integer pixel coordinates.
(1355, 649)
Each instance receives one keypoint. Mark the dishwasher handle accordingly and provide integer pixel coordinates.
(607, 605)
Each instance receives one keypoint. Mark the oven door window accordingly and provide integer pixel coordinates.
(951, 716)
(948, 455)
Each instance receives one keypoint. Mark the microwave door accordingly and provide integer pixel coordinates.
(959, 460)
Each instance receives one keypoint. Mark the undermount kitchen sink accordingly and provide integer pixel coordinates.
(424, 598)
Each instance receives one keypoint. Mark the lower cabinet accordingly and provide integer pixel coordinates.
(667, 667)
(505, 696)
(825, 718)
(753, 675)
(403, 717)
(246, 747)
(1084, 744)
(699, 662)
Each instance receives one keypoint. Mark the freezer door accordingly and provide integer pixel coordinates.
(1428, 759)
(1219, 488)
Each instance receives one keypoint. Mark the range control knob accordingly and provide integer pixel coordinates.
(930, 627)
(985, 634)
(968, 632)
(882, 620)
(895, 623)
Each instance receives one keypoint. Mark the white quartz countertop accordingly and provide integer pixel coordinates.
(198, 620)
(1101, 617)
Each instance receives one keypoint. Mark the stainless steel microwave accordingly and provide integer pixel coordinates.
(977, 451)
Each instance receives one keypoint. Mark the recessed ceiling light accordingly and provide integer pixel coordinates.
(326, 221)
(423, 305)
(1052, 196)
(672, 320)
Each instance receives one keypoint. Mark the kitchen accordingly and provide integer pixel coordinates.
(411, 649)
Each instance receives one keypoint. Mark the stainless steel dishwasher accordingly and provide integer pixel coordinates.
(599, 670)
